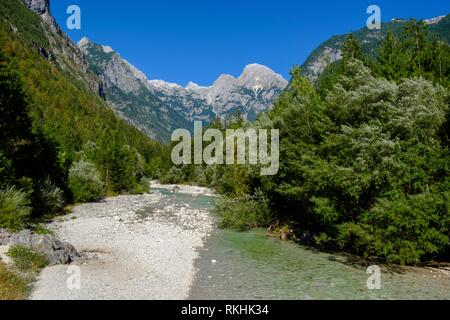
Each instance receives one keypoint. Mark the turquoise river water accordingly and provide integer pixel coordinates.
(250, 265)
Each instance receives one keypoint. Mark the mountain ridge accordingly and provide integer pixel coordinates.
(329, 51)
(158, 107)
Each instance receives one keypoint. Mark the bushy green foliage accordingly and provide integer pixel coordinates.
(27, 260)
(41, 229)
(364, 160)
(413, 52)
(27, 23)
(14, 208)
(49, 198)
(243, 212)
(365, 169)
(85, 182)
(173, 176)
(362, 168)
(142, 187)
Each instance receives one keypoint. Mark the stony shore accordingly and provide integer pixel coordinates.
(181, 188)
(130, 249)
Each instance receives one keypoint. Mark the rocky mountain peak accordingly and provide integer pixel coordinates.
(255, 68)
(256, 75)
(193, 86)
(435, 20)
(84, 42)
(38, 6)
(159, 106)
(224, 81)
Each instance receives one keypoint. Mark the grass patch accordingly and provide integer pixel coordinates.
(26, 260)
(15, 283)
(12, 286)
(42, 230)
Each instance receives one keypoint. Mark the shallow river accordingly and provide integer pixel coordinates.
(249, 265)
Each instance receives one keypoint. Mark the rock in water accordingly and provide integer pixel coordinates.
(56, 251)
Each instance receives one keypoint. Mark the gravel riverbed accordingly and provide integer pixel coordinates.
(127, 253)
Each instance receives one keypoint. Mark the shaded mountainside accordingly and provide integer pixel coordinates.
(158, 107)
(62, 95)
(330, 50)
(128, 91)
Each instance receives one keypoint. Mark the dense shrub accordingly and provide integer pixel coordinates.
(85, 183)
(365, 169)
(173, 176)
(14, 208)
(243, 213)
(49, 198)
(142, 187)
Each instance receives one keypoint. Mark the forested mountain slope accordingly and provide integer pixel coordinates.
(331, 50)
(54, 123)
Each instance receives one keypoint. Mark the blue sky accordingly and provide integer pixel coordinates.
(197, 40)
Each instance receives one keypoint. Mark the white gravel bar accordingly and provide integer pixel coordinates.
(127, 255)
(181, 188)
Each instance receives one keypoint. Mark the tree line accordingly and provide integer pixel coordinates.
(364, 156)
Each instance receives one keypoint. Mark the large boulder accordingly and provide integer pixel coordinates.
(56, 251)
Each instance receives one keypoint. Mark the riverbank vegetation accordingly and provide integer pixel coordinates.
(364, 155)
(16, 280)
(12, 286)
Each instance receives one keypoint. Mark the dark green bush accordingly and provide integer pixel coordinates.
(14, 208)
(244, 212)
(85, 183)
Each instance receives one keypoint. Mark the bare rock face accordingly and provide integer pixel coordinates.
(38, 6)
(56, 251)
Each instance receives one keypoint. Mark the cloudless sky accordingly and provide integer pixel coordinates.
(197, 40)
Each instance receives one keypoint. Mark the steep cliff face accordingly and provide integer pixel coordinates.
(127, 90)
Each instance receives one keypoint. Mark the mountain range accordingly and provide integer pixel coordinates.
(158, 107)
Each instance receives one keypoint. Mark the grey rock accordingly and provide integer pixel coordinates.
(56, 251)
(38, 6)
